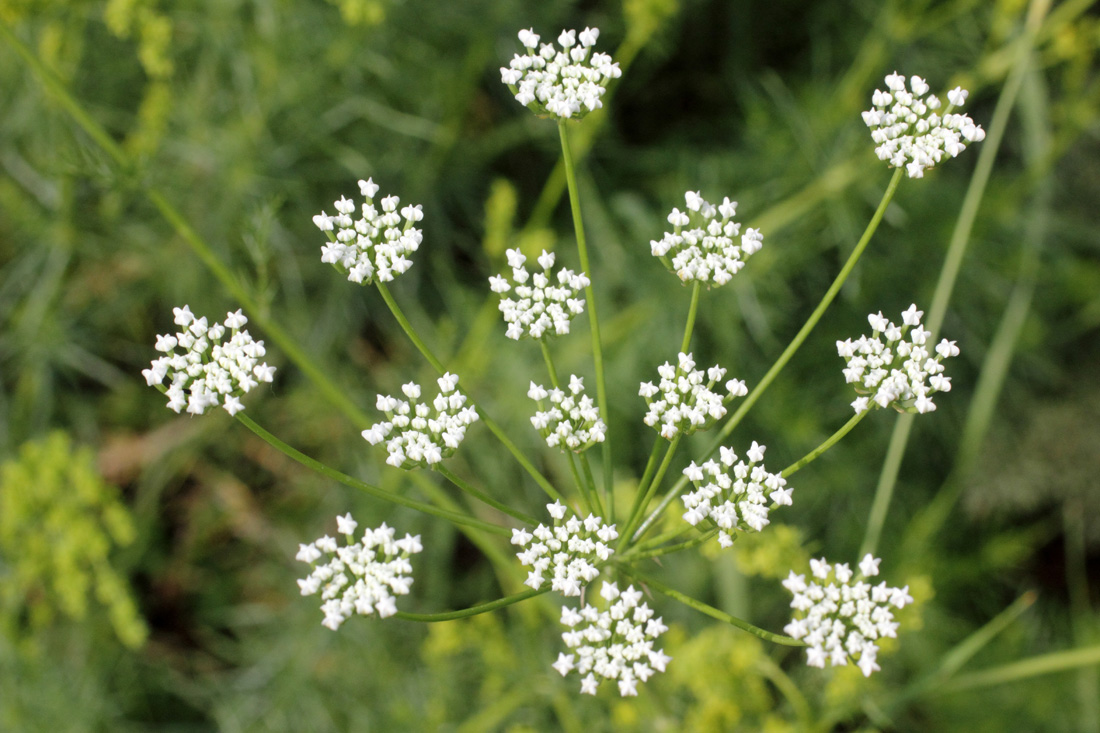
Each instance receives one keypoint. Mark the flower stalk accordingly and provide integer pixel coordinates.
(590, 295)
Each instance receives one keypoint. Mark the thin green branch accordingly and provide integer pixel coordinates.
(708, 610)
(643, 501)
(374, 491)
(68, 102)
(481, 496)
(696, 288)
(407, 327)
(590, 481)
(669, 549)
(812, 321)
(786, 686)
(647, 475)
(508, 573)
(586, 491)
(473, 610)
(582, 490)
(660, 539)
(1027, 668)
(541, 480)
(495, 429)
(829, 443)
(590, 296)
(546, 356)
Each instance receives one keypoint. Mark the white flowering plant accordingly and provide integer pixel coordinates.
(614, 635)
(540, 308)
(708, 251)
(377, 244)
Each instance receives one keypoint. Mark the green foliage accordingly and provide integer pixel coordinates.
(250, 117)
(59, 522)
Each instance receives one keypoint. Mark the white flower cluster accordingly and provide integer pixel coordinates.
(377, 244)
(616, 644)
(361, 577)
(208, 372)
(566, 83)
(841, 620)
(423, 435)
(570, 552)
(732, 493)
(909, 131)
(539, 307)
(702, 246)
(573, 420)
(685, 404)
(895, 373)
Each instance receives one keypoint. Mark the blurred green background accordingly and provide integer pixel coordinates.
(146, 560)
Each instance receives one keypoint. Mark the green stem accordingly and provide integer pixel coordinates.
(954, 660)
(582, 490)
(811, 322)
(481, 496)
(639, 506)
(709, 610)
(374, 491)
(884, 491)
(473, 610)
(495, 429)
(549, 364)
(508, 573)
(792, 347)
(669, 549)
(829, 443)
(695, 290)
(587, 490)
(949, 272)
(1027, 668)
(591, 483)
(647, 475)
(660, 539)
(407, 327)
(68, 102)
(590, 296)
(786, 686)
(541, 480)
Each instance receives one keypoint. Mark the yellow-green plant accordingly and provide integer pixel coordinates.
(59, 522)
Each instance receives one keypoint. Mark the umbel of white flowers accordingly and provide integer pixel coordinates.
(566, 83)
(361, 577)
(701, 246)
(377, 244)
(685, 403)
(419, 434)
(840, 620)
(541, 307)
(616, 644)
(568, 554)
(900, 373)
(572, 421)
(910, 132)
(208, 372)
(733, 494)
